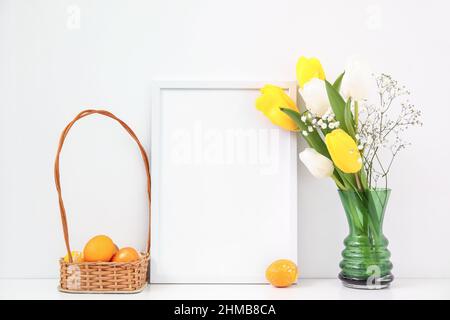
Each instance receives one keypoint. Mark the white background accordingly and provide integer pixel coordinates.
(49, 70)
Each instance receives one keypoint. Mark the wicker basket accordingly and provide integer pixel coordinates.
(102, 277)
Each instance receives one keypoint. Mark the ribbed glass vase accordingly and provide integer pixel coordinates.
(365, 263)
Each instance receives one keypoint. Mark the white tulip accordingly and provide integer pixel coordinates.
(319, 165)
(357, 81)
(314, 93)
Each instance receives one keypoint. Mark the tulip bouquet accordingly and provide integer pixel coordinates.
(353, 142)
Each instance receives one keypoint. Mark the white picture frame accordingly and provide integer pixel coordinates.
(190, 240)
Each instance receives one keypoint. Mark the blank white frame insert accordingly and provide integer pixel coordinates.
(224, 186)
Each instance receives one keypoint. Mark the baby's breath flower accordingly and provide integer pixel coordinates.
(381, 127)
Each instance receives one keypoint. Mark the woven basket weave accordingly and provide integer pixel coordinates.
(102, 277)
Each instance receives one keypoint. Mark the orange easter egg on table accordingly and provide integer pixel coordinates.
(99, 249)
(282, 273)
(127, 254)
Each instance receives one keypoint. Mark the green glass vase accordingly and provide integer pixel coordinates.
(365, 263)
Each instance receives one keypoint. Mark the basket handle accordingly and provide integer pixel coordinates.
(57, 175)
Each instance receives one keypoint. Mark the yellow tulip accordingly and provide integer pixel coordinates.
(344, 151)
(307, 69)
(271, 100)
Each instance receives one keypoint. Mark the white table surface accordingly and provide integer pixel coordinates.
(305, 289)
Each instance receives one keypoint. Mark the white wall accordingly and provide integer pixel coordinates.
(49, 71)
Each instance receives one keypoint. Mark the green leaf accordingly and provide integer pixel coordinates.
(337, 104)
(313, 139)
(348, 179)
(296, 117)
(364, 179)
(348, 118)
(338, 81)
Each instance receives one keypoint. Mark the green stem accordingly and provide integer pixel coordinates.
(338, 183)
(358, 182)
